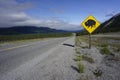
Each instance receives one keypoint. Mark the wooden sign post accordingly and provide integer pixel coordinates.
(89, 41)
(90, 24)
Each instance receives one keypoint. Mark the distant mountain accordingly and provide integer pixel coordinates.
(111, 25)
(28, 30)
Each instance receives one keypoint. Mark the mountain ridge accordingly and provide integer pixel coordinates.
(111, 25)
(28, 30)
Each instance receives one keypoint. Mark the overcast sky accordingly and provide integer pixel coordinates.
(58, 14)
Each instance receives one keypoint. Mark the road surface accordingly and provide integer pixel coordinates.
(18, 60)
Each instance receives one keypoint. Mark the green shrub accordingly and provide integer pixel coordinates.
(78, 58)
(105, 50)
(89, 59)
(81, 67)
(84, 47)
(97, 72)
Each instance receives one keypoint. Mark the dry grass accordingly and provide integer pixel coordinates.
(101, 41)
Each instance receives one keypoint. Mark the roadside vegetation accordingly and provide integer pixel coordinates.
(6, 38)
(81, 67)
(97, 72)
(105, 52)
(80, 57)
(77, 41)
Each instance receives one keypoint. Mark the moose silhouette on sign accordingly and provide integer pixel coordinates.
(90, 23)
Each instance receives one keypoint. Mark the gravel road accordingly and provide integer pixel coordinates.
(42, 60)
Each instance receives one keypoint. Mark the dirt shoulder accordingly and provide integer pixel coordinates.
(105, 56)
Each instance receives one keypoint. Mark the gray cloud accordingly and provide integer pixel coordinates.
(12, 14)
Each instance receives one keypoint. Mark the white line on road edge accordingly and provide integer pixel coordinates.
(21, 70)
(11, 48)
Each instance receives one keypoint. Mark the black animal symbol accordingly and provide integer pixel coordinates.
(90, 23)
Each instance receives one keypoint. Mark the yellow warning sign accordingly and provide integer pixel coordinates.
(90, 23)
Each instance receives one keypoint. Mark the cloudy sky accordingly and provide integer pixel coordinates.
(58, 14)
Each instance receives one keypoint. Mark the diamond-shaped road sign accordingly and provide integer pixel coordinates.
(90, 23)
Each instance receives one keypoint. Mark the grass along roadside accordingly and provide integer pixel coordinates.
(100, 41)
(87, 60)
(105, 52)
(19, 41)
(80, 57)
(24, 37)
(81, 67)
